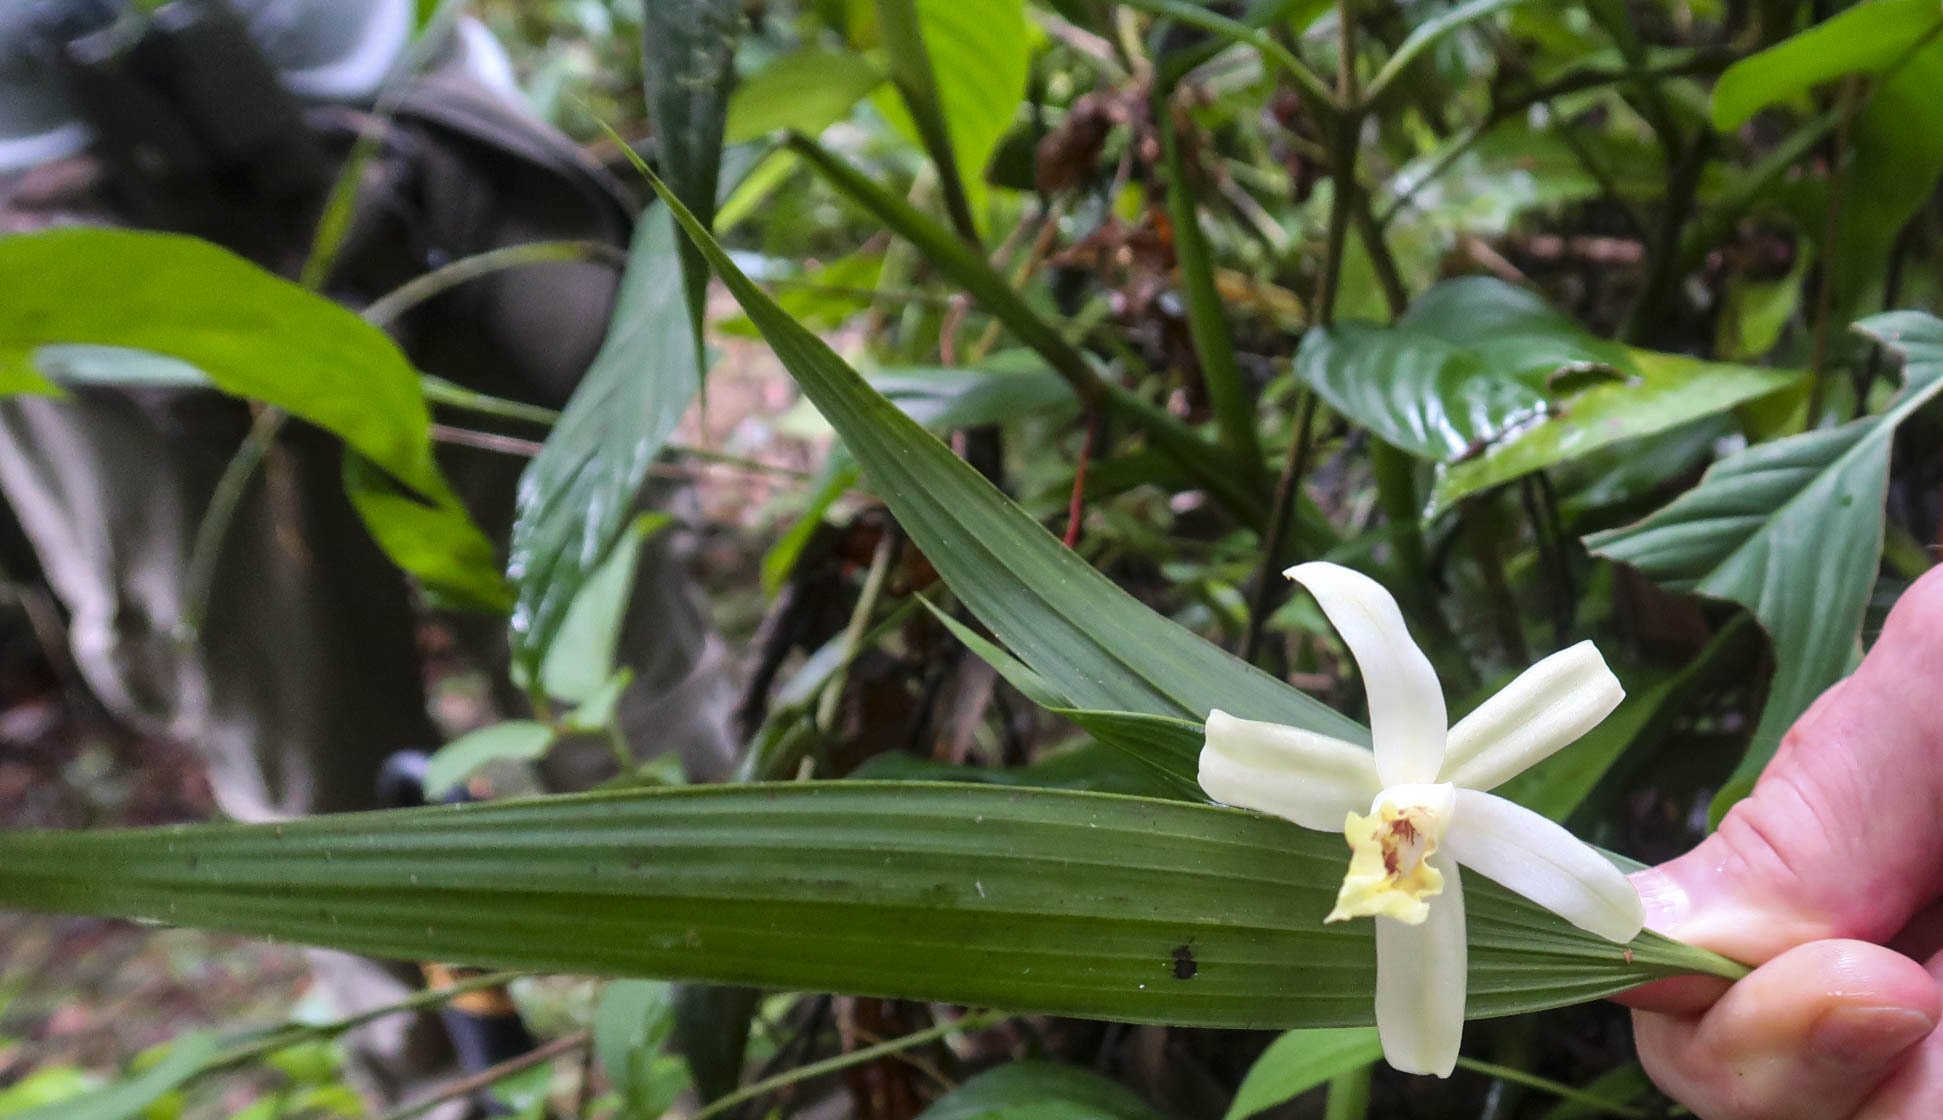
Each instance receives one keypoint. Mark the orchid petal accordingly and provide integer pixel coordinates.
(1420, 978)
(1407, 717)
(1298, 775)
(1548, 706)
(1536, 857)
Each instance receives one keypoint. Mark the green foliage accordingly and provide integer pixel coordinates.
(1299, 1061)
(577, 496)
(257, 336)
(1039, 1091)
(1032, 900)
(1615, 259)
(1791, 529)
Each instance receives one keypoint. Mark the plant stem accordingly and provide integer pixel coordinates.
(438, 390)
(1831, 231)
(976, 1021)
(205, 551)
(1567, 1092)
(465, 1086)
(426, 286)
(1681, 187)
(880, 565)
(1349, 1095)
(1281, 513)
(417, 1001)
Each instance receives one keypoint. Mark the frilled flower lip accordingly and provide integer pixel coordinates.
(1318, 782)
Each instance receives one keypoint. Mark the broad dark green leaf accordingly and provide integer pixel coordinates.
(1414, 391)
(1478, 377)
(578, 494)
(1100, 646)
(256, 336)
(1661, 393)
(131, 1097)
(806, 91)
(687, 63)
(1791, 529)
(1030, 900)
(1039, 1091)
(1867, 38)
(1299, 1061)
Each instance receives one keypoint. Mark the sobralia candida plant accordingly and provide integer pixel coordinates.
(1499, 327)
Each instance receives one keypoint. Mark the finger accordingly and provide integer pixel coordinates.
(1832, 842)
(1808, 1035)
(1914, 1091)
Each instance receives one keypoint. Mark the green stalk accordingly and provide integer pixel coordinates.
(1207, 327)
(977, 1021)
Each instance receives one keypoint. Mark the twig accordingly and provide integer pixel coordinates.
(1567, 1092)
(446, 277)
(199, 573)
(465, 1086)
(1831, 229)
(977, 1021)
(880, 566)
(1076, 506)
(1280, 514)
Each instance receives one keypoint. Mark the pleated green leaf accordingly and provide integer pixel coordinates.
(1792, 530)
(1032, 900)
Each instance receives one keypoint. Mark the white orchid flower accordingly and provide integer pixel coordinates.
(1423, 789)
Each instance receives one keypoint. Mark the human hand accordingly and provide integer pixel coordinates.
(1828, 877)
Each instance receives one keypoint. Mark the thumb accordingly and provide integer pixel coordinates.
(1837, 838)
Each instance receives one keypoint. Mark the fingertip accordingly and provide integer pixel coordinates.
(1809, 1034)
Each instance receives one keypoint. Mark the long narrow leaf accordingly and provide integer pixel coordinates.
(688, 52)
(1031, 900)
(1099, 645)
(917, 84)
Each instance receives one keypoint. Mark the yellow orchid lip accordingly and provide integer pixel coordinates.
(1389, 874)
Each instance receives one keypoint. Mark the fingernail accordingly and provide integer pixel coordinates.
(1858, 1034)
(1665, 899)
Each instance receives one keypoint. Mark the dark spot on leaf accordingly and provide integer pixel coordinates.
(193, 861)
(1184, 964)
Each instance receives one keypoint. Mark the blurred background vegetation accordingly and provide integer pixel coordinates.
(1468, 296)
